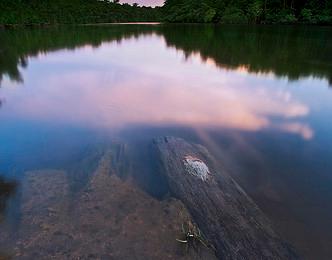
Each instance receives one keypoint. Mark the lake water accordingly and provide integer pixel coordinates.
(259, 98)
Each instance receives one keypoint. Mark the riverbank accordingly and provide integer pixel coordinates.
(49, 25)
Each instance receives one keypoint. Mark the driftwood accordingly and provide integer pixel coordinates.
(226, 215)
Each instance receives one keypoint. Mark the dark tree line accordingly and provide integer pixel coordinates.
(31, 12)
(249, 11)
(218, 11)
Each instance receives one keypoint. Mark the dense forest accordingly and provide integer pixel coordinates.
(31, 12)
(249, 11)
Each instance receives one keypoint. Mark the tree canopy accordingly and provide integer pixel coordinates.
(29, 12)
(249, 11)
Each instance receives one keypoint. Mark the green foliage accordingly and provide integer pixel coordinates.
(250, 11)
(188, 11)
(233, 15)
(306, 16)
(255, 11)
(309, 17)
(209, 15)
(287, 18)
(324, 18)
(29, 12)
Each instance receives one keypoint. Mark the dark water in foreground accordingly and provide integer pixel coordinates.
(259, 98)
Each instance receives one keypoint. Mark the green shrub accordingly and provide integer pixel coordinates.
(288, 18)
(234, 15)
(255, 11)
(306, 16)
(209, 15)
(324, 18)
(283, 16)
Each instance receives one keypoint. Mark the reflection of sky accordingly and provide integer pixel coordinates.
(144, 2)
(71, 100)
(141, 82)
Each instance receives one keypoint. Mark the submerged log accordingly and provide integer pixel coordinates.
(227, 216)
(107, 219)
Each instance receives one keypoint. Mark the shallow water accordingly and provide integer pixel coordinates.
(259, 98)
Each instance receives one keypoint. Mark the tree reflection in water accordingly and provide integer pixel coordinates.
(291, 52)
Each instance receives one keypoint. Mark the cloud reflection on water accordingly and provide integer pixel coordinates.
(141, 81)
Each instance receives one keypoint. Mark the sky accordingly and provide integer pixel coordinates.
(144, 2)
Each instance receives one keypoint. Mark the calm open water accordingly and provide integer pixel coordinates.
(260, 99)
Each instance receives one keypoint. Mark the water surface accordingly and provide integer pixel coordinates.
(258, 97)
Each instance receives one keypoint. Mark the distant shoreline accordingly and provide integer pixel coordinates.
(52, 12)
(10, 26)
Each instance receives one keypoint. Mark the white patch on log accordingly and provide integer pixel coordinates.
(196, 167)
